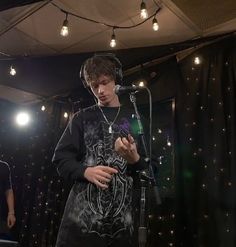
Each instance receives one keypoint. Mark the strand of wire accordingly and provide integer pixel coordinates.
(103, 23)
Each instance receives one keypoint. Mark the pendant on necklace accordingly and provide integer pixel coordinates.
(110, 129)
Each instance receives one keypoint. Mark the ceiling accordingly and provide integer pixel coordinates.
(33, 30)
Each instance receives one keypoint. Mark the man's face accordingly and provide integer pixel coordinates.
(103, 89)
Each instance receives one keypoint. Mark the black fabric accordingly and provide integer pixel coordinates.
(71, 147)
(5, 180)
(206, 147)
(93, 240)
(7, 4)
(87, 142)
(5, 184)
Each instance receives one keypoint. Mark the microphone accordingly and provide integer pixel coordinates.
(118, 89)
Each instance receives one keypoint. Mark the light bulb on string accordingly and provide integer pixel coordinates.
(65, 30)
(12, 71)
(197, 60)
(113, 39)
(43, 108)
(155, 25)
(168, 141)
(142, 78)
(141, 84)
(66, 115)
(143, 9)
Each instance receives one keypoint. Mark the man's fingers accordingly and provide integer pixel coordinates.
(9, 224)
(108, 169)
(101, 185)
(131, 139)
(103, 179)
(104, 174)
(125, 141)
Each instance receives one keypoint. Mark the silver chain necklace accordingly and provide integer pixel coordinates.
(109, 123)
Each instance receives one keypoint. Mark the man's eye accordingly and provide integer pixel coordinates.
(95, 86)
(105, 82)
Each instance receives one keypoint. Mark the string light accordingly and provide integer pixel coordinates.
(113, 39)
(168, 142)
(197, 60)
(141, 84)
(143, 11)
(66, 115)
(12, 71)
(144, 16)
(65, 30)
(155, 25)
(43, 108)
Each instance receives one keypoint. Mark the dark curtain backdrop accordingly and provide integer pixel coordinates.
(202, 211)
(39, 192)
(206, 147)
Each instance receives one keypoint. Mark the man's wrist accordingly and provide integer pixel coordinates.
(11, 213)
(135, 160)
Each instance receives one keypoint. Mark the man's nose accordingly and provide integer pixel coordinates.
(100, 88)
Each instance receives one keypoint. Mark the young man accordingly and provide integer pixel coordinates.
(98, 150)
(7, 212)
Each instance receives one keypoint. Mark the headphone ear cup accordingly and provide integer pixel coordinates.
(119, 75)
(82, 78)
(81, 75)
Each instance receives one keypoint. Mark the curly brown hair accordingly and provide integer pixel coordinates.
(96, 66)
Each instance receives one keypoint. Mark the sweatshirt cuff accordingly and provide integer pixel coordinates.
(79, 173)
(141, 164)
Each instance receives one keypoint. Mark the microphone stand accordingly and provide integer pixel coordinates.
(146, 178)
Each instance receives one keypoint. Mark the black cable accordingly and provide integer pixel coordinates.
(103, 23)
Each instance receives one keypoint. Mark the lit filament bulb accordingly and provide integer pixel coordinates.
(143, 13)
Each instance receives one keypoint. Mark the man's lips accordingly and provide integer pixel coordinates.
(102, 97)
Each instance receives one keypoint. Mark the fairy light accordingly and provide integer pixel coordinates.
(12, 71)
(66, 115)
(113, 39)
(197, 60)
(155, 25)
(143, 11)
(65, 30)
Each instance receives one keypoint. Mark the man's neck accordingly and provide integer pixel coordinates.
(114, 103)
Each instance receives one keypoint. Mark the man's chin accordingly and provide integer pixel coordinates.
(104, 102)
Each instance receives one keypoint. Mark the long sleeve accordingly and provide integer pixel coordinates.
(69, 152)
(5, 176)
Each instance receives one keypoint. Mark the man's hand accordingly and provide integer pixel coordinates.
(127, 149)
(100, 175)
(11, 220)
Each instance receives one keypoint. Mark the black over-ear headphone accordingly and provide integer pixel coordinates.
(114, 59)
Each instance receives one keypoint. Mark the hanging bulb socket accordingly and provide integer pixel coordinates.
(113, 39)
(12, 71)
(143, 13)
(155, 25)
(65, 30)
